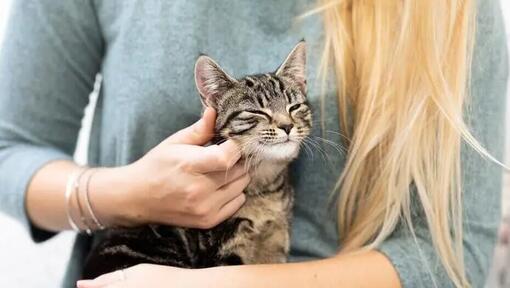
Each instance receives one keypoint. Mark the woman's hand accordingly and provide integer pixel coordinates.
(179, 182)
(147, 275)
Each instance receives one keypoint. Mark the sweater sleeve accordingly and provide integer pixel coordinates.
(415, 259)
(48, 61)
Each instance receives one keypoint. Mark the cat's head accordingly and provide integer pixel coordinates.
(267, 114)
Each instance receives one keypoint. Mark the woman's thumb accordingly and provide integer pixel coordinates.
(199, 133)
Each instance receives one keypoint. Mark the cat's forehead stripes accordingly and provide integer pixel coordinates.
(268, 89)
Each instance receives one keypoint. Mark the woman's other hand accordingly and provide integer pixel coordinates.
(147, 275)
(179, 182)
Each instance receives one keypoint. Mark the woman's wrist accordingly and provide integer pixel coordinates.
(109, 192)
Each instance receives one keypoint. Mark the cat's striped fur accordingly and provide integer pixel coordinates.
(268, 116)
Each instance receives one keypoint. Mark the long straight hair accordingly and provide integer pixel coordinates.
(402, 68)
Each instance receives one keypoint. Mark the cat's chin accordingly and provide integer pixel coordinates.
(280, 152)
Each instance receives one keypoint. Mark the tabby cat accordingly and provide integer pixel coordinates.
(268, 116)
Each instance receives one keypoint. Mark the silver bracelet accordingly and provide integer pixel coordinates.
(69, 191)
(77, 190)
(98, 223)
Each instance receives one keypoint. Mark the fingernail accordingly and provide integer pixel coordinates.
(201, 123)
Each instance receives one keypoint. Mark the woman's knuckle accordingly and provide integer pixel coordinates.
(203, 211)
(191, 204)
(185, 166)
(194, 191)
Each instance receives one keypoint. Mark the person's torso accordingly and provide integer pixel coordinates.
(148, 89)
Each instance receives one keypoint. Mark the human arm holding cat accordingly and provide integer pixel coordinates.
(42, 100)
(369, 269)
(198, 190)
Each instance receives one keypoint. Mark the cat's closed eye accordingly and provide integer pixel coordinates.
(249, 115)
(294, 107)
(259, 113)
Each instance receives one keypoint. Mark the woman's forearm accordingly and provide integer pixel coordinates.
(45, 198)
(362, 270)
(45, 201)
(368, 269)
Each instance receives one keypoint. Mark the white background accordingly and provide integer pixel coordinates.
(24, 264)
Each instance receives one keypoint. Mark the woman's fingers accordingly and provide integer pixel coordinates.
(215, 157)
(102, 281)
(232, 190)
(225, 177)
(199, 133)
(230, 198)
(221, 204)
(142, 275)
(230, 208)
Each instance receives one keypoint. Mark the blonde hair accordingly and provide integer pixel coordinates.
(402, 68)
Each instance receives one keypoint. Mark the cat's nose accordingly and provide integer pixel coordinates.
(286, 127)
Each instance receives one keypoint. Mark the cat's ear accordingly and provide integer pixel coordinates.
(294, 67)
(212, 82)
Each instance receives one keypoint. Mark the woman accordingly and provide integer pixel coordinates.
(417, 211)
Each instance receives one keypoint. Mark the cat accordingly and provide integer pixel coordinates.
(268, 116)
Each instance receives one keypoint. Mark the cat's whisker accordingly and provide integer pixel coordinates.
(258, 155)
(340, 134)
(324, 152)
(317, 146)
(337, 146)
(307, 149)
(314, 147)
(240, 154)
(250, 151)
(252, 155)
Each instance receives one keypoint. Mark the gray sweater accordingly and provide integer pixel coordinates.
(145, 51)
